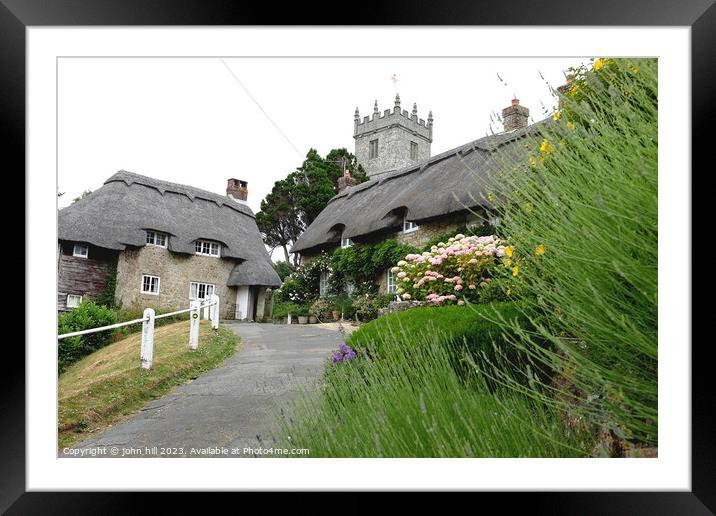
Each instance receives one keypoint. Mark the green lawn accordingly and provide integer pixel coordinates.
(107, 386)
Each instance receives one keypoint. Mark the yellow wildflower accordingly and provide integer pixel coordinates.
(509, 291)
(508, 251)
(515, 270)
(508, 262)
(490, 197)
(599, 64)
(574, 90)
(539, 250)
(557, 115)
(528, 207)
(570, 125)
(546, 147)
(633, 69)
(533, 164)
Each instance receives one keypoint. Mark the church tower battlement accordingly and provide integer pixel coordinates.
(391, 140)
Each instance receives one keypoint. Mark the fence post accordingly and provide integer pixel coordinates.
(194, 324)
(214, 313)
(146, 352)
(207, 309)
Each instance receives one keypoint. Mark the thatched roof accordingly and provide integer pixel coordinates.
(448, 183)
(119, 213)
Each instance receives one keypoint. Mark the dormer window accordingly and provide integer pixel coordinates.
(207, 248)
(345, 242)
(156, 238)
(80, 251)
(409, 226)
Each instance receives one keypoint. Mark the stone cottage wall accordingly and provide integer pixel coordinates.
(176, 272)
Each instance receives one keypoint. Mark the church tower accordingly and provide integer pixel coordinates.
(391, 140)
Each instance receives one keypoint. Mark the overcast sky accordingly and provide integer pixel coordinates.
(190, 121)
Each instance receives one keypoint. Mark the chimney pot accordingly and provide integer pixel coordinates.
(515, 102)
(237, 189)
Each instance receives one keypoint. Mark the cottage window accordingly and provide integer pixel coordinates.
(73, 300)
(156, 238)
(346, 242)
(414, 151)
(322, 284)
(373, 149)
(390, 282)
(206, 248)
(80, 251)
(200, 290)
(409, 226)
(150, 284)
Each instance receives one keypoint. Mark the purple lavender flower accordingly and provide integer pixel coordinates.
(337, 358)
(345, 348)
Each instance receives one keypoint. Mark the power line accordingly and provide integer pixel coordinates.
(259, 106)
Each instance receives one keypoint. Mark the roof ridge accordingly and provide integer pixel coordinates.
(191, 192)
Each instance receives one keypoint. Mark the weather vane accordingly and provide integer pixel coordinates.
(394, 78)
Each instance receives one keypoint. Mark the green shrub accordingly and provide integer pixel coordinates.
(86, 316)
(282, 309)
(321, 308)
(585, 197)
(473, 329)
(366, 306)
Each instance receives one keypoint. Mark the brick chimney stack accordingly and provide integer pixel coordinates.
(515, 116)
(237, 189)
(346, 181)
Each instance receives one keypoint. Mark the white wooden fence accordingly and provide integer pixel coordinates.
(211, 312)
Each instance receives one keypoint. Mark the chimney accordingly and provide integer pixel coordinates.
(345, 182)
(237, 189)
(515, 116)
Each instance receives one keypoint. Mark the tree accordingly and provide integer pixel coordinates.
(296, 201)
(319, 179)
(279, 219)
(283, 269)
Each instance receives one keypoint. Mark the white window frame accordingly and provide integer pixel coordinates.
(141, 285)
(67, 303)
(153, 237)
(198, 285)
(409, 226)
(202, 244)
(346, 242)
(78, 254)
(390, 283)
(322, 284)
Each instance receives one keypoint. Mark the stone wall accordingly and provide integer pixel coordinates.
(176, 272)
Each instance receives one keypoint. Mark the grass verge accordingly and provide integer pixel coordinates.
(407, 399)
(105, 387)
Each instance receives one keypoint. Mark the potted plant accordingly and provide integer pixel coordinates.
(320, 310)
(302, 314)
(342, 307)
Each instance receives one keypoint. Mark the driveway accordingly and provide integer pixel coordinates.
(232, 407)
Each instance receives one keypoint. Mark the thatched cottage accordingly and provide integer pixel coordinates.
(167, 244)
(421, 200)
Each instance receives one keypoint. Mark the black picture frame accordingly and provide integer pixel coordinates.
(700, 15)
